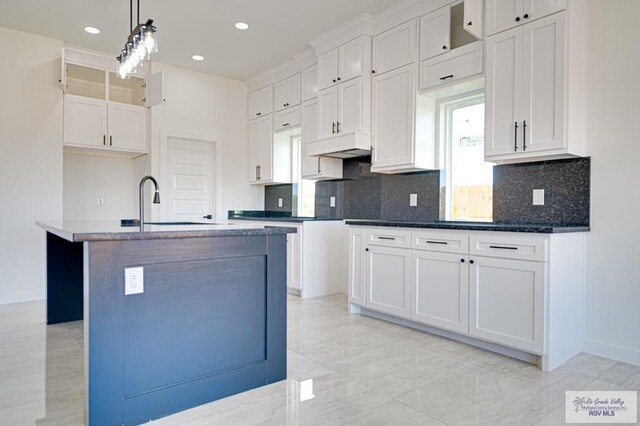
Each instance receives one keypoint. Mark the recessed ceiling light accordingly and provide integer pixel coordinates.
(92, 30)
(197, 58)
(242, 26)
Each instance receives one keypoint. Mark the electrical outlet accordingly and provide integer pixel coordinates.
(279, 202)
(133, 280)
(413, 200)
(538, 197)
(332, 201)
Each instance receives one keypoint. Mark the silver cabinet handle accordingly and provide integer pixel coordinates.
(337, 127)
(319, 167)
(333, 128)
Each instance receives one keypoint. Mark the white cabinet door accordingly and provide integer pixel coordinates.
(254, 150)
(294, 256)
(85, 121)
(327, 112)
(388, 280)
(266, 148)
(350, 58)
(293, 90)
(543, 70)
(261, 102)
(127, 127)
(435, 28)
(287, 118)
(473, 21)
(357, 260)
(440, 290)
(535, 9)
(309, 78)
(503, 91)
(393, 117)
(309, 132)
(349, 106)
(327, 69)
(463, 62)
(501, 15)
(507, 303)
(280, 95)
(395, 47)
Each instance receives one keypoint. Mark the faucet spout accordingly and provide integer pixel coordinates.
(156, 197)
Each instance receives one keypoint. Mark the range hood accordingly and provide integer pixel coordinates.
(347, 145)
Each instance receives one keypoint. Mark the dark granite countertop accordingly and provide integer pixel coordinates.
(271, 216)
(111, 230)
(477, 226)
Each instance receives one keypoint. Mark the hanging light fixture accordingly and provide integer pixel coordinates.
(141, 43)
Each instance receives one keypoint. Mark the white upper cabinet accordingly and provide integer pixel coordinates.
(395, 48)
(313, 167)
(287, 92)
(269, 154)
(401, 142)
(435, 28)
(501, 15)
(327, 112)
(350, 106)
(261, 102)
(85, 121)
(473, 21)
(309, 83)
(343, 63)
(127, 127)
(528, 104)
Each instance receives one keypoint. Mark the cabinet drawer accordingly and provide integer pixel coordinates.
(445, 242)
(389, 238)
(462, 62)
(287, 119)
(533, 248)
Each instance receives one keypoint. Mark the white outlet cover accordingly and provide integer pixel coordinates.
(413, 200)
(538, 197)
(279, 202)
(332, 201)
(133, 280)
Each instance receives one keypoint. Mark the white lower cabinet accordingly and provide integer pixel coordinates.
(388, 280)
(520, 291)
(440, 290)
(507, 303)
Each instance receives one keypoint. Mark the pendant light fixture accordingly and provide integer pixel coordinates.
(141, 43)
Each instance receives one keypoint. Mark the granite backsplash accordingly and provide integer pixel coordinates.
(366, 195)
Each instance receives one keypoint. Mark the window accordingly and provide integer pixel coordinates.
(304, 190)
(468, 178)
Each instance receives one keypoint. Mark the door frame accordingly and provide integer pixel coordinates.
(216, 141)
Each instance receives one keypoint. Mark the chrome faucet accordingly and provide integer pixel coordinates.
(156, 197)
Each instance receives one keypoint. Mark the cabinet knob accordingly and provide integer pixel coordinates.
(338, 78)
(334, 80)
(462, 260)
(373, 71)
(526, 16)
(471, 261)
(517, 19)
(366, 249)
(470, 23)
(444, 47)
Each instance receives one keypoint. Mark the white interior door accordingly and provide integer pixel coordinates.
(189, 179)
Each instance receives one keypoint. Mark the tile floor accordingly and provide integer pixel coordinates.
(343, 370)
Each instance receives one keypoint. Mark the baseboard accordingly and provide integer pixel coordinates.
(21, 296)
(607, 350)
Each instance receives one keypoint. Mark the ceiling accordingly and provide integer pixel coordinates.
(278, 28)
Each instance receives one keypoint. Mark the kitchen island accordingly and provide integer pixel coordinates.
(205, 317)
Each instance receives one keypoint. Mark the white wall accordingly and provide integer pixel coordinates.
(89, 177)
(612, 327)
(204, 103)
(30, 159)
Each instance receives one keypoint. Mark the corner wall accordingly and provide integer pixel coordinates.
(612, 317)
(30, 159)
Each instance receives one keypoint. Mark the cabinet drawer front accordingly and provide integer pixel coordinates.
(445, 242)
(389, 238)
(288, 118)
(510, 247)
(460, 63)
